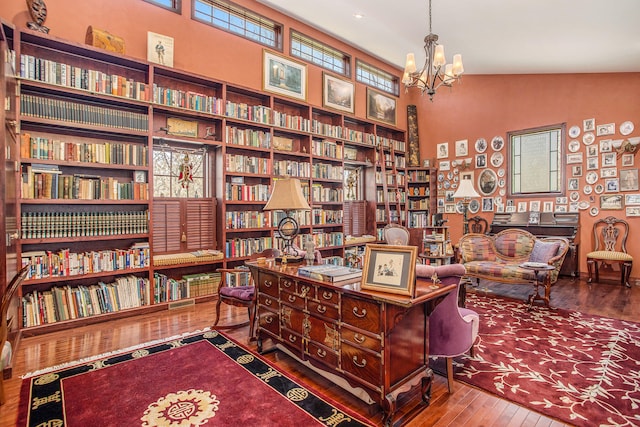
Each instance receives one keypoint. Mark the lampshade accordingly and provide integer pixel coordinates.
(287, 196)
(465, 190)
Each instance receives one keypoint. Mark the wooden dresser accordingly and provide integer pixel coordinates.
(372, 344)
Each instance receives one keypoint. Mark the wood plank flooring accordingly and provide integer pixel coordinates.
(466, 406)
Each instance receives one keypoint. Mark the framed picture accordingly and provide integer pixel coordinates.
(443, 150)
(574, 158)
(487, 182)
(633, 211)
(608, 159)
(522, 206)
(487, 204)
(159, 49)
(283, 76)
(592, 163)
(629, 180)
(338, 93)
(632, 199)
(611, 185)
(611, 201)
(627, 160)
(534, 206)
(576, 170)
(608, 129)
(381, 107)
(573, 183)
(481, 160)
(445, 165)
(390, 268)
(462, 148)
(606, 146)
(589, 125)
(592, 150)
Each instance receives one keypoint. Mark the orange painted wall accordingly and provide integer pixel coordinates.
(199, 48)
(488, 106)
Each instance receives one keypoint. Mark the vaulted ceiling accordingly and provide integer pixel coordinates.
(493, 36)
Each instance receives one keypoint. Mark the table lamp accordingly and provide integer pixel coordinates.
(287, 196)
(465, 192)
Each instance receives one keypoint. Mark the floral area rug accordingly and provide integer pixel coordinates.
(578, 368)
(202, 379)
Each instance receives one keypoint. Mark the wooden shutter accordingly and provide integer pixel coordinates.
(200, 224)
(355, 218)
(166, 221)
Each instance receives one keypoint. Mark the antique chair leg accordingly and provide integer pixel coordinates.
(450, 374)
(218, 304)
(590, 263)
(597, 268)
(626, 272)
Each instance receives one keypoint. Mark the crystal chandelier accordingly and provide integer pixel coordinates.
(435, 72)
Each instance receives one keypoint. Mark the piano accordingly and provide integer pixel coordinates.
(551, 224)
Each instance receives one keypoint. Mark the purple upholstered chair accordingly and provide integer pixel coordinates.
(452, 330)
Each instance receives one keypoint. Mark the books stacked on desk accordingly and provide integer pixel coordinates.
(329, 273)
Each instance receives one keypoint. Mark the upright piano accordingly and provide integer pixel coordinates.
(551, 224)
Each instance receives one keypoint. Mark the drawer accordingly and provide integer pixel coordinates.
(267, 301)
(363, 365)
(323, 354)
(327, 296)
(293, 319)
(322, 332)
(287, 284)
(268, 284)
(292, 340)
(361, 314)
(268, 321)
(360, 339)
(292, 299)
(323, 309)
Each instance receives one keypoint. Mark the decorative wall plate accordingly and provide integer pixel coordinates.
(502, 192)
(574, 145)
(587, 189)
(497, 143)
(496, 159)
(599, 189)
(474, 206)
(583, 205)
(575, 196)
(500, 172)
(626, 128)
(594, 211)
(592, 177)
(440, 177)
(501, 182)
(481, 145)
(574, 131)
(588, 138)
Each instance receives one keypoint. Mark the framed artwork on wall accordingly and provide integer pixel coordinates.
(381, 107)
(283, 76)
(338, 93)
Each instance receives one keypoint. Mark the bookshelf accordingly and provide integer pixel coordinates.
(90, 124)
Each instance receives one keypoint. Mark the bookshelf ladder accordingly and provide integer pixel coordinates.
(393, 172)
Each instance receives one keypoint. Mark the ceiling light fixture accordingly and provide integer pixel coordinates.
(435, 72)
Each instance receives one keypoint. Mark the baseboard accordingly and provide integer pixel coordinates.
(181, 303)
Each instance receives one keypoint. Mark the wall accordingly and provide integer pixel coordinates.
(488, 106)
(199, 48)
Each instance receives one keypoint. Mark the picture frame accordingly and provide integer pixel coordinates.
(574, 158)
(442, 150)
(390, 269)
(381, 107)
(592, 150)
(611, 201)
(481, 161)
(160, 49)
(611, 185)
(487, 182)
(576, 170)
(283, 76)
(632, 199)
(627, 160)
(606, 129)
(606, 146)
(608, 160)
(338, 93)
(592, 163)
(633, 211)
(629, 180)
(589, 125)
(462, 148)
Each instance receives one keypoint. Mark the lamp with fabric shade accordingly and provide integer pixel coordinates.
(465, 192)
(287, 196)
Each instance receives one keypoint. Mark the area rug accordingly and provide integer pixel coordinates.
(581, 369)
(202, 379)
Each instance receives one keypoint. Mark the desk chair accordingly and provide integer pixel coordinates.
(240, 296)
(610, 246)
(396, 234)
(4, 327)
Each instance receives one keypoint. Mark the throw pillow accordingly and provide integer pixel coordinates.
(544, 251)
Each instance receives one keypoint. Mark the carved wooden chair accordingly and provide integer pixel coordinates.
(4, 328)
(610, 246)
(477, 224)
(240, 296)
(396, 234)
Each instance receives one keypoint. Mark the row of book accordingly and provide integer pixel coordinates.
(234, 248)
(64, 263)
(79, 113)
(330, 273)
(327, 171)
(419, 191)
(167, 289)
(247, 219)
(291, 168)
(244, 111)
(108, 153)
(187, 99)
(57, 73)
(49, 224)
(48, 182)
(247, 137)
(391, 179)
(381, 215)
(248, 193)
(392, 195)
(291, 121)
(326, 149)
(327, 216)
(247, 164)
(320, 193)
(68, 303)
(418, 176)
(418, 219)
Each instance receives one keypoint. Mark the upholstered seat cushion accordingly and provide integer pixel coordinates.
(610, 255)
(503, 270)
(472, 317)
(244, 293)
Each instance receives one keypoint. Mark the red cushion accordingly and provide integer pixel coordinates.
(244, 293)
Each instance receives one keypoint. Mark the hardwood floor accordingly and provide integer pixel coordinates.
(466, 406)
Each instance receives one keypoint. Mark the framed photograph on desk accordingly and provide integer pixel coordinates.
(390, 268)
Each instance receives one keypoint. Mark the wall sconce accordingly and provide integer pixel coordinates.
(629, 145)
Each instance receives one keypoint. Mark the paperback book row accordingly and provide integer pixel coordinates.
(247, 164)
(57, 73)
(64, 263)
(235, 248)
(82, 113)
(107, 153)
(166, 289)
(247, 137)
(48, 225)
(48, 182)
(187, 99)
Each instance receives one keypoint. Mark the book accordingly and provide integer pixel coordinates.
(329, 273)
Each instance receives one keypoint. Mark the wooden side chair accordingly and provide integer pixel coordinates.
(396, 234)
(240, 296)
(477, 224)
(4, 327)
(610, 246)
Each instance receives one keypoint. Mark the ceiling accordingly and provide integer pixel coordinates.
(493, 36)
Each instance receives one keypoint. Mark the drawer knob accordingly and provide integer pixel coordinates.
(322, 309)
(359, 338)
(268, 283)
(360, 364)
(292, 298)
(327, 295)
(321, 353)
(268, 302)
(292, 339)
(359, 314)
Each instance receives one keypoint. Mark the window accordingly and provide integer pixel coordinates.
(377, 78)
(535, 160)
(238, 20)
(179, 173)
(174, 5)
(320, 54)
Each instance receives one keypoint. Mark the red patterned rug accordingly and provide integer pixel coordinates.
(191, 381)
(581, 369)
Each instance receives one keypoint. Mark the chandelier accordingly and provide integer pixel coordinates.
(435, 72)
